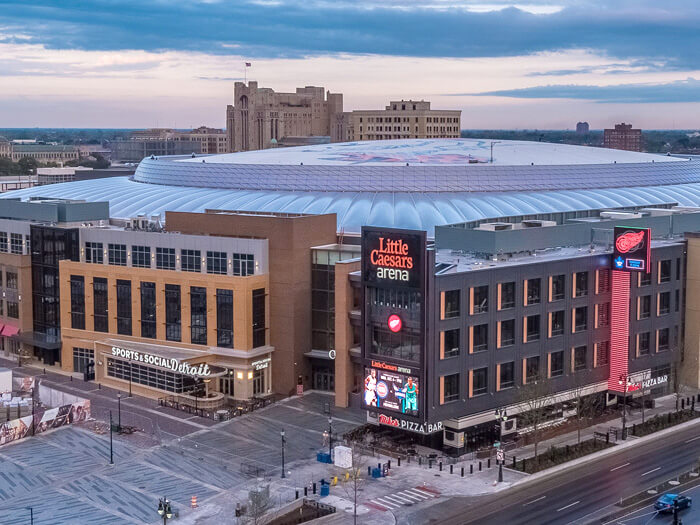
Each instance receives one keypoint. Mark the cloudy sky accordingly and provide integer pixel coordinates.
(535, 64)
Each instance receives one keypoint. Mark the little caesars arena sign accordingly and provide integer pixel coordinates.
(393, 257)
(198, 370)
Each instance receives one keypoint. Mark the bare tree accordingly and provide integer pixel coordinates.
(677, 385)
(535, 399)
(585, 405)
(259, 503)
(355, 479)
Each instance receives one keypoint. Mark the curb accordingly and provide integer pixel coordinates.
(608, 451)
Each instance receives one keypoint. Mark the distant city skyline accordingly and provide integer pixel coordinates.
(541, 64)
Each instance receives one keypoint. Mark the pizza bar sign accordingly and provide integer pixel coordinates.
(421, 428)
(648, 383)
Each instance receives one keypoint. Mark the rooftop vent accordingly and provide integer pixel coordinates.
(537, 223)
(620, 215)
(495, 226)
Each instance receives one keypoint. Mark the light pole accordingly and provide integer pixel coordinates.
(164, 509)
(330, 437)
(129, 378)
(501, 416)
(119, 412)
(492, 143)
(283, 443)
(111, 450)
(31, 515)
(623, 381)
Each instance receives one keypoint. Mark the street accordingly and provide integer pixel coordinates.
(646, 515)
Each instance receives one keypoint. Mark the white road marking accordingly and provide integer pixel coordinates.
(380, 504)
(654, 470)
(620, 466)
(417, 493)
(391, 505)
(534, 501)
(402, 499)
(693, 439)
(570, 505)
(427, 493)
(407, 494)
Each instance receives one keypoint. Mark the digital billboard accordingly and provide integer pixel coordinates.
(393, 257)
(390, 390)
(632, 249)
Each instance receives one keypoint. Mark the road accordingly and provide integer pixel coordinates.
(647, 515)
(577, 493)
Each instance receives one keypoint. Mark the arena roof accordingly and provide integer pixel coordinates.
(389, 193)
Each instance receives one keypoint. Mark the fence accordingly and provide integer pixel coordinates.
(220, 412)
(44, 419)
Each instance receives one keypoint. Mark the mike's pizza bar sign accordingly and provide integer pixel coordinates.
(393, 257)
(632, 249)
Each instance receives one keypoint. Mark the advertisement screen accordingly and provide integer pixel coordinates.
(393, 257)
(391, 391)
(632, 249)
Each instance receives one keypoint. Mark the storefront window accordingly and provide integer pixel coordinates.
(224, 318)
(198, 309)
(81, 358)
(101, 304)
(173, 330)
(149, 376)
(259, 382)
(123, 307)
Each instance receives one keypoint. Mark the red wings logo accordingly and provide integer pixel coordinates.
(629, 241)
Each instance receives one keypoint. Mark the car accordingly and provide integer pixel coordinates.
(666, 502)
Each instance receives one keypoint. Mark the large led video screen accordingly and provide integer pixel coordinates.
(391, 391)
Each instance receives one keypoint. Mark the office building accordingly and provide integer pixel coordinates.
(582, 127)
(623, 137)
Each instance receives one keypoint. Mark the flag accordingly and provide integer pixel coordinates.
(247, 64)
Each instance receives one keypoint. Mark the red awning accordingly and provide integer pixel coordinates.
(9, 330)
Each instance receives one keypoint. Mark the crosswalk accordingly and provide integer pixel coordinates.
(405, 497)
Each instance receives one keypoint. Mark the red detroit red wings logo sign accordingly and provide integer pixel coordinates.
(629, 241)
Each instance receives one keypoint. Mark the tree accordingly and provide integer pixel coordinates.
(259, 503)
(27, 165)
(535, 400)
(356, 479)
(677, 385)
(585, 404)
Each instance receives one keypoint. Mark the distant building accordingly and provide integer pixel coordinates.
(45, 153)
(582, 127)
(166, 141)
(403, 119)
(5, 148)
(260, 118)
(623, 137)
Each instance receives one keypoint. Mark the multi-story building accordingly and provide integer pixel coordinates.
(45, 153)
(582, 127)
(623, 137)
(5, 148)
(403, 119)
(166, 141)
(260, 117)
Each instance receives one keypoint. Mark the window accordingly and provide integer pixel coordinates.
(603, 315)
(173, 313)
(77, 302)
(558, 287)
(216, 262)
(480, 381)
(12, 309)
(3, 242)
(149, 376)
(644, 344)
(198, 311)
(602, 357)
(481, 299)
(532, 287)
(451, 304)
(450, 388)
(580, 319)
(11, 280)
(148, 310)
(532, 328)
(644, 306)
(507, 295)
(243, 264)
(581, 280)
(678, 269)
(450, 343)
(141, 256)
(81, 358)
(580, 357)
(259, 381)
(100, 306)
(532, 369)
(507, 332)
(507, 375)
(603, 280)
(16, 243)
(191, 260)
(556, 364)
(557, 323)
(123, 307)
(677, 302)
(116, 254)
(644, 279)
(259, 326)
(165, 258)
(480, 337)
(665, 271)
(93, 253)
(224, 318)
(662, 338)
(664, 306)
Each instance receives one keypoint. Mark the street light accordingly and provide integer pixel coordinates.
(119, 412)
(623, 381)
(330, 437)
(501, 416)
(31, 515)
(492, 143)
(164, 509)
(283, 443)
(129, 378)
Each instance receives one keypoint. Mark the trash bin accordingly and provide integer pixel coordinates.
(325, 490)
(376, 473)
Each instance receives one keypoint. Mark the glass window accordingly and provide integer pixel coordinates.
(141, 256)
(198, 306)
(581, 284)
(451, 390)
(580, 319)
(12, 309)
(11, 280)
(173, 313)
(123, 307)
(481, 299)
(557, 323)
(644, 343)
(507, 295)
(216, 262)
(259, 326)
(148, 310)
(665, 271)
(480, 381)
(644, 306)
(663, 339)
(580, 355)
(532, 369)
(100, 310)
(480, 337)
(664, 303)
(191, 260)
(451, 304)
(556, 364)
(165, 258)
(16, 243)
(603, 315)
(450, 343)
(602, 357)
(533, 291)
(532, 328)
(259, 381)
(3, 242)
(93, 252)
(224, 318)
(149, 376)
(644, 279)
(243, 264)
(603, 280)
(558, 287)
(81, 358)
(507, 379)
(507, 332)
(77, 302)
(116, 254)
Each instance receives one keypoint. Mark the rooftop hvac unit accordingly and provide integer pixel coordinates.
(495, 226)
(535, 223)
(620, 215)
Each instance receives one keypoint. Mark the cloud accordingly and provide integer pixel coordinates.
(686, 91)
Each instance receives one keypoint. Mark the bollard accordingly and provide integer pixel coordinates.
(306, 491)
(71, 379)
(451, 468)
(682, 404)
(567, 450)
(420, 460)
(398, 461)
(607, 438)
(479, 466)
(462, 471)
(471, 468)
(314, 488)
(430, 463)
(634, 429)
(441, 466)
(513, 461)
(44, 371)
(488, 463)
(388, 464)
(296, 494)
(369, 471)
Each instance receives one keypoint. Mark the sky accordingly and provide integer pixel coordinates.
(168, 63)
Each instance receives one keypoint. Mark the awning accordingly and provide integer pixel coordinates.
(47, 342)
(9, 330)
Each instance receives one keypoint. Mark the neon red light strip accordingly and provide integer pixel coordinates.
(619, 329)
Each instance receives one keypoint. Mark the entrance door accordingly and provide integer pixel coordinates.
(323, 379)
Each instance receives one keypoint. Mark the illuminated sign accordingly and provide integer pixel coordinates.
(262, 363)
(197, 370)
(394, 323)
(393, 368)
(391, 391)
(421, 428)
(647, 383)
(393, 257)
(632, 250)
